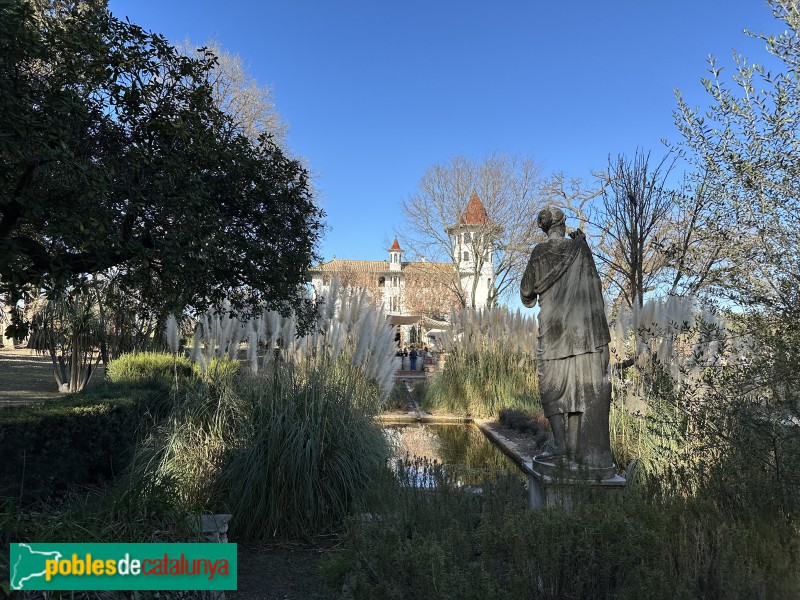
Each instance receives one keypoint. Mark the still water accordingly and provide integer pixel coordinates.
(427, 454)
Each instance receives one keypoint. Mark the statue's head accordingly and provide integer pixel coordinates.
(551, 217)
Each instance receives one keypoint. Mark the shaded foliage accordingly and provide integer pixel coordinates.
(462, 545)
(114, 155)
(50, 448)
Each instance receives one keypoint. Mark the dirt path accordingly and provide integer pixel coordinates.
(280, 573)
(25, 377)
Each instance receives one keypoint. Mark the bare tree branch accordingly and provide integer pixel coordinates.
(510, 189)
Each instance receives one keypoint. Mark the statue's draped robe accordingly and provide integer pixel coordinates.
(572, 345)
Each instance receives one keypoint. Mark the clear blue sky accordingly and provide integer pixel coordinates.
(376, 91)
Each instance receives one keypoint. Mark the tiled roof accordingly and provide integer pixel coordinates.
(423, 267)
(377, 266)
(395, 247)
(475, 213)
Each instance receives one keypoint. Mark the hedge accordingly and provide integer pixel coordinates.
(77, 440)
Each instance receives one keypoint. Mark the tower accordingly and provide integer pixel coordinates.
(395, 257)
(472, 239)
(392, 291)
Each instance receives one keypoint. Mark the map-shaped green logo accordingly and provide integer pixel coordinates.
(28, 565)
(118, 566)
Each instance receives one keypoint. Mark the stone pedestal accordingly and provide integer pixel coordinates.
(215, 529)
(557, 485)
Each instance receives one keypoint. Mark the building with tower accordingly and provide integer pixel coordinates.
(473, 237)
(420, 295)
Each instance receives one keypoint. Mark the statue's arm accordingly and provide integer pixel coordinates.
(578, 235)
(528, 286)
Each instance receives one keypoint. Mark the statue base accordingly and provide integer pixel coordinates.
(568, 469)
(560, 483)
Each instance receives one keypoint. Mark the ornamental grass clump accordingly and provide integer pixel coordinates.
(490, 365)
(287, 445)
(286, 451)
(348, 324)
(663, 354)
(308, 452)
(708, 407)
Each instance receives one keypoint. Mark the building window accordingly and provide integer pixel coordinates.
(395, 280)
(394, 304)
(381, 281)
(466, 256)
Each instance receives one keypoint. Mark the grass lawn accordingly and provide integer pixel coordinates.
(25, 377)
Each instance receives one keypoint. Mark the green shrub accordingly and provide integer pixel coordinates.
(451, 544)
(148, 368)
(77, 440)
(715, 438)
(286, 451)
(399, 398)
(222, 369)
(118, 513)
(523, 421)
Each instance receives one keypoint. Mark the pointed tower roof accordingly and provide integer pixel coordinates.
(475, 213)
(395, 247)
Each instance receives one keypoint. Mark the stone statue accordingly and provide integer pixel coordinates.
(572, 347)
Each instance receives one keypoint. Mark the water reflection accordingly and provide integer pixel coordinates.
(426, 455)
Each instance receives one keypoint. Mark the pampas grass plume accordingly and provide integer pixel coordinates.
(172, 334)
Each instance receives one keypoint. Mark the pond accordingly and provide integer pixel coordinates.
(426, 454)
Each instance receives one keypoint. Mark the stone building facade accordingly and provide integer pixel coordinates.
(422, 293)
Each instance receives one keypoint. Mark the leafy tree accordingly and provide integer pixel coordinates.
(113, 155)
(746, 143)
(508, 188)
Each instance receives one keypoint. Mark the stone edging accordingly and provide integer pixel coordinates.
(511, 449)
(422, 417)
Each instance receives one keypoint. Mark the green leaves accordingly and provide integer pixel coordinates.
(746, 147)
(114, 154)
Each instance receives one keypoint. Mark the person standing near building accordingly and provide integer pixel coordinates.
(413, 356)
(426, 353)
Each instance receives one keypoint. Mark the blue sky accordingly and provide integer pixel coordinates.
(376, 91)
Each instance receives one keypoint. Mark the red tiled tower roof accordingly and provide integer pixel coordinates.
(395, 247)
(475, 213)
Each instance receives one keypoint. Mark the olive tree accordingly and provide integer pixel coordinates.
(746, 143)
